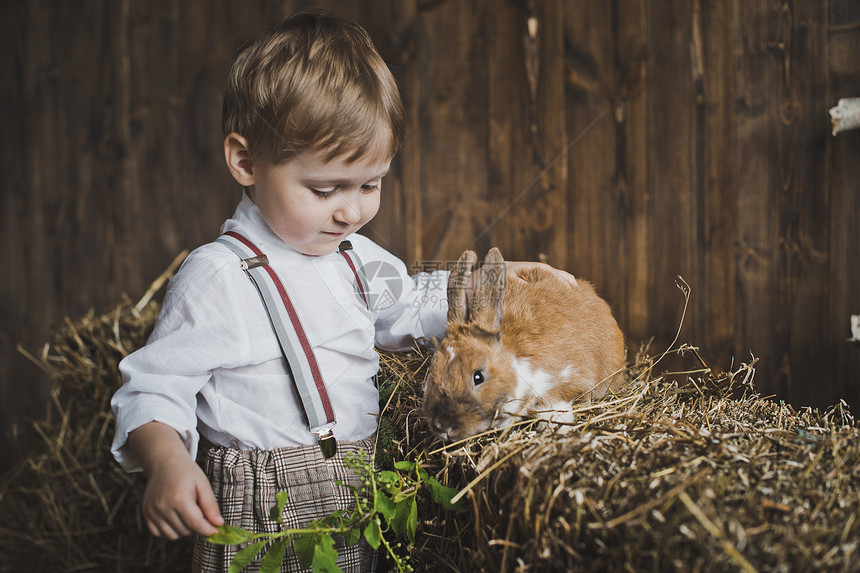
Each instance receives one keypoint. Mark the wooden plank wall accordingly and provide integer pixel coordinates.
(628, 141)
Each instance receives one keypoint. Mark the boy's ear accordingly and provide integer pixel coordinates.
(238, 159)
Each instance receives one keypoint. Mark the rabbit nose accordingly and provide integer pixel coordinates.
(441, 430)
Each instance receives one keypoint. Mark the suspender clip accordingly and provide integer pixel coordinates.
(328, 444)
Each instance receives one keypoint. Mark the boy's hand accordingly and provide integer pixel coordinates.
(178, 499)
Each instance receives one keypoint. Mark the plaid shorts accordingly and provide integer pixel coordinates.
(245, 483)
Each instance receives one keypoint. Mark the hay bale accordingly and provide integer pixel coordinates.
(685, 472)
(692, 472)
(71, 507)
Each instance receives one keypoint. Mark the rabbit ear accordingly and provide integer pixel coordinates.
(486, 305)
(457, 282)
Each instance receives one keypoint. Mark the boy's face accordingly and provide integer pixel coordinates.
(312, 204)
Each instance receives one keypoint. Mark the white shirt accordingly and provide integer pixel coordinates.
(213, 363)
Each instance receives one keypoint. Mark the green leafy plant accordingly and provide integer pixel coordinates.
(386, 510)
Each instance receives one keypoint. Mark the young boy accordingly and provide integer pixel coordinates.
(312, 119)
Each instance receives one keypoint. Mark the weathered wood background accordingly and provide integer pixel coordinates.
(629, 141)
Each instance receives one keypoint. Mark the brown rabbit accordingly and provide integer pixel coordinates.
(532, 348)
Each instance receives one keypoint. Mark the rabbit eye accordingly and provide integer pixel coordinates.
(478, 377)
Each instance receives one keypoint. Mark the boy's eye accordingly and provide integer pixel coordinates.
(324, 193)
(371, 186)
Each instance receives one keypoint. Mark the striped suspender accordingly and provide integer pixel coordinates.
(345, 249)
(293, 341)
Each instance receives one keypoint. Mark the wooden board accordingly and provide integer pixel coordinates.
(629, 142)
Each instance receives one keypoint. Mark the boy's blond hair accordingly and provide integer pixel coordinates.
(315, 82)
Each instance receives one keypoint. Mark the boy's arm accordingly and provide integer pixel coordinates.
(178, 499)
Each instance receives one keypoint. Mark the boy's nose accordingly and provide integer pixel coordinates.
(348, 211)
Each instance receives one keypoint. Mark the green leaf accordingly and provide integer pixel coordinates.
(401, 515)
(442, 494)
(384, 506)
(229, 535)
(276, 513)
(325, 556)
(389, 482)
(404, 466)
(387, 477)
(304, 547)
(274, 557)
(244, 556)
(352, 535)
(373, 533)
(412, 522)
